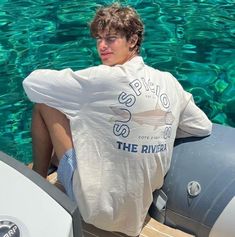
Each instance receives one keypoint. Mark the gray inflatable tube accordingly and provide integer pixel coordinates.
(200, 185)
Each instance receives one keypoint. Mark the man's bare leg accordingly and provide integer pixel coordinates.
(50, 130)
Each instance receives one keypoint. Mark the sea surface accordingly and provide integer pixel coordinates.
(192, 39)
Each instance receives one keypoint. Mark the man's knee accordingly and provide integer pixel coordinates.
(43, 115)
(47, 112)
(39, 108)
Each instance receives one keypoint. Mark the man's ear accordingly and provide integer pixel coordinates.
(133, 41)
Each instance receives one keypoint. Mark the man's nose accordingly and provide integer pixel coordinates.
(102, 44)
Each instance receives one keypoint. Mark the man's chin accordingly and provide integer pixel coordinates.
(107, 63)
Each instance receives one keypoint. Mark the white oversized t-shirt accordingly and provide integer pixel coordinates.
(124, 121)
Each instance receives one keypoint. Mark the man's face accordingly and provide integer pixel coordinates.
(114, 49)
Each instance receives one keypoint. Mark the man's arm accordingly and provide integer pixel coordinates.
(62, 90)
(193, 122)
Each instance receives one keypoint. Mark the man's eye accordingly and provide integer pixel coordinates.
(98, 39)
(111, 38)
(108, 39)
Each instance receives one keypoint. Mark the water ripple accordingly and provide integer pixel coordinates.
(193, 39)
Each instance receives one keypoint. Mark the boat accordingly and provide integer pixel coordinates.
(197, 198)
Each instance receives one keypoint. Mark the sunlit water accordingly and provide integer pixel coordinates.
(193, 39)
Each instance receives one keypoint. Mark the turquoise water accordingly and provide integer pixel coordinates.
(193, 39)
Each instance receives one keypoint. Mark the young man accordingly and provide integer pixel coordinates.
(112, 126)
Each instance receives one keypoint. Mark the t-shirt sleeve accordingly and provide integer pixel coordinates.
(193, 121)
(63, 90)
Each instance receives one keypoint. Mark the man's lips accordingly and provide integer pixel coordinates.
(105, 55)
